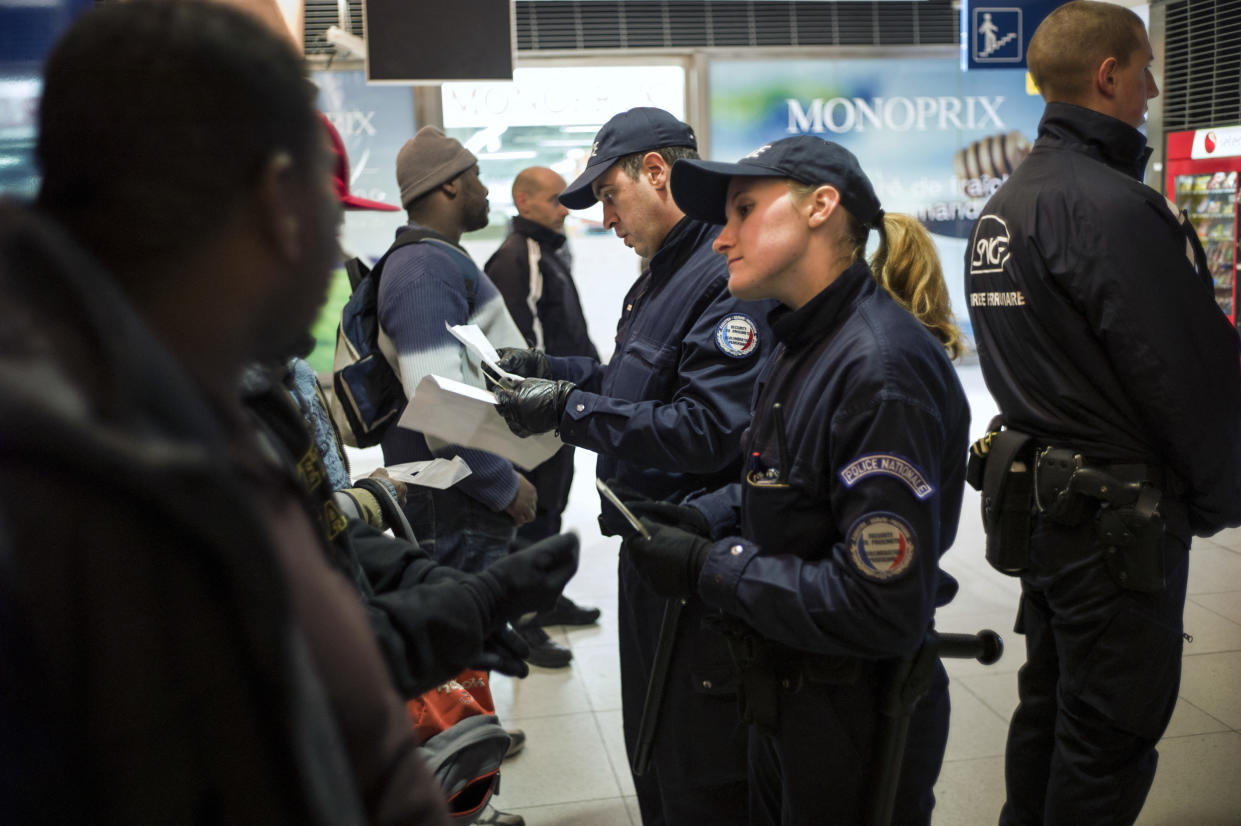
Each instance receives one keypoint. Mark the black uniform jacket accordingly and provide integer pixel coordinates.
(531, 271)
(1095, 322)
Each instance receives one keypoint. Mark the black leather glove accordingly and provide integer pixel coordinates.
(684, 517)
(530, 579)
(534, 406)
(532, 364)
(504, 651)
(670, 561)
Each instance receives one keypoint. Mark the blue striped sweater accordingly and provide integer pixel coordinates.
(424, 285)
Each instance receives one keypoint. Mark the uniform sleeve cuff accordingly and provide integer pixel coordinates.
(577, 407)
(726, 562)
(718, 510)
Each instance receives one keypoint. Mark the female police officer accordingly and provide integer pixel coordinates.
(855, 464)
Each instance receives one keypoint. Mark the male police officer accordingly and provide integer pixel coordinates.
(1100, 339)
(665, 416)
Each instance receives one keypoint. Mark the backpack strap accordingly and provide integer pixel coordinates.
(417, 236)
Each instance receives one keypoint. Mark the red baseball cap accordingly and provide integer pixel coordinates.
(341, 174)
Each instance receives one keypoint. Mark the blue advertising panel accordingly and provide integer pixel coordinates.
(995, 34)
(935, 141)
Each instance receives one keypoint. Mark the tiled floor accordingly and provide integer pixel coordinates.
(573, 770)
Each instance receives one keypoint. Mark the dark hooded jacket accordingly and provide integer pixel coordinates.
(153, 670)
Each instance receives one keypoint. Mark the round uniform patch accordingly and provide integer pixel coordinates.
(882, 546)
(737, 335)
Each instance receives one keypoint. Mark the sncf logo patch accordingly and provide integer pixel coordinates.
(737, 335)
(887, 464)
(988, 253)
(881, 546)
(989, 250)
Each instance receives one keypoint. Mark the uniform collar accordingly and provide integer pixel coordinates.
(825, 312)
(1103, 137)
(540, 233)
(679, 244)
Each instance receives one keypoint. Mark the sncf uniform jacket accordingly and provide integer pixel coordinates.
(1098, 331)
(1112, 344)
(666, 417)
(843, 522)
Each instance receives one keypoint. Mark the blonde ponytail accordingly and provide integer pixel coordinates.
(906, 264)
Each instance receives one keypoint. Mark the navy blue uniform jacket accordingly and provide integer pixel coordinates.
(667, 412)
(1096, 326)
(842, 541)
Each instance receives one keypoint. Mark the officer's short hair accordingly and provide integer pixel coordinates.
(631, 165)
(157, 119)
(1073, 40)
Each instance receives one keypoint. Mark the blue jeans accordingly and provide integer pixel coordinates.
(458, 531)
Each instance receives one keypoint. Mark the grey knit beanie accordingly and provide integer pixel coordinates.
(427, 160)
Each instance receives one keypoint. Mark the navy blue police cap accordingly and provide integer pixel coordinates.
(638, 130)
(700, 188)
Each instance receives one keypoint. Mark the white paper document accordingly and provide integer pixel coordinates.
(462, 414)
(477, 343)
(440, 474)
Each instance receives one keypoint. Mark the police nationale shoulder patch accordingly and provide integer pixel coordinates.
(881, 546)
(887, 464)
(737, 335)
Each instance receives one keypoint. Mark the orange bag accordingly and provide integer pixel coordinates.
(461, 740)
(449, 703)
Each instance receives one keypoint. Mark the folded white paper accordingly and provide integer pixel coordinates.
(440, 474)
(477, 343)
(462, 414)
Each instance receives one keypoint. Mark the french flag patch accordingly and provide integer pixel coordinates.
(737, 335)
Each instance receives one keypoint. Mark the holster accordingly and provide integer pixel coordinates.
(1128, 526)
(1007, 496)
(1054, 494)
(766, 670)
(1131, 537)
(758, 689)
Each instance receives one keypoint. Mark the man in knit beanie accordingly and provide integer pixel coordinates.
(424, 285)
(435, 282)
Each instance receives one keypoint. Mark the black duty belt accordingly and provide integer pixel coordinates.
(1124, 471)
(795, 669)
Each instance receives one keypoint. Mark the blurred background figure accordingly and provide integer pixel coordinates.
(533, 271)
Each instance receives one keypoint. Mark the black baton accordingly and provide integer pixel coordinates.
(656, 687)
(907, 681)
